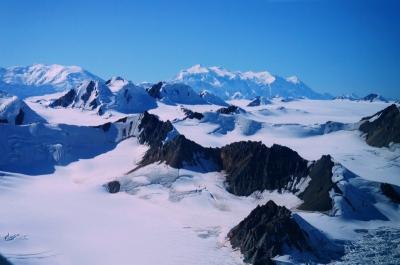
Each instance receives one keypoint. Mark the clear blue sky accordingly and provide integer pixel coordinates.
(334, 46)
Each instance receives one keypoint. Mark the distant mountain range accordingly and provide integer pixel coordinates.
(369, 98)
(216, 82)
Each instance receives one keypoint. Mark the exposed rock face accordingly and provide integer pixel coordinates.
(19, 119)
(374, 97)
(316, 195)
(230, 110)
(152, 130)
(251, 166)
(266, 232)
(4, 261)
(65, 100)
(113, 186)
(192, 114)
(89, 95)
(391, 192)
(382, 128)
(154, 91)
(181, 152)
(255, 102)
(333, 126)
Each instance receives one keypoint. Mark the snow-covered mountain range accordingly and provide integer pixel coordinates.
(217, 171)
(40, 79)
(236, 84)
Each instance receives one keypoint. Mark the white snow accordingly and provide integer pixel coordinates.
(263, 77)
(225, 83)
(170, 216)
(40, 79)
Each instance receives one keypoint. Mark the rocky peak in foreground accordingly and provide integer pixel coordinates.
(271, 230)
(382, 128)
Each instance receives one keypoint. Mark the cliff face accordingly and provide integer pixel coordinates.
(382, 128)
(251, 166)
(154, 91)
(391, 191)
(65, 100)
(266, 232)
(152, 130)
(316, 196)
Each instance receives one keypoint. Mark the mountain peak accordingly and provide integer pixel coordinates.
(228, 84)
(293, 79)
(263, 77)
(38, 79)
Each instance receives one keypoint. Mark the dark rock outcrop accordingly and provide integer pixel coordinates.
(232, 109)
(89, 95)
(183, 153)
(4, 261)
(374, 97)
(152, 130)
(382, 128)
(154, 91)
(65, 100)
(19, 119)
(391, 191)
(88, 91)
(113, 186)
(255, 102)
(249, 166)
(252, 166)
(267, 232)
(316, 195)
(189, 114)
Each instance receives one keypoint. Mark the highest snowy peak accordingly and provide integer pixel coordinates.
(263, 77)
(236, 84)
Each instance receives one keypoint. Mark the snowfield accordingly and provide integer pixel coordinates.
(165, 215)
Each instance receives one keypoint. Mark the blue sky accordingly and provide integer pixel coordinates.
(334, 46)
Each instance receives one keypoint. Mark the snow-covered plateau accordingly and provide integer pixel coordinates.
(184, 172)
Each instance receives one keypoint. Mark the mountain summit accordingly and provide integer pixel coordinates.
(40, 79)
(236, 84)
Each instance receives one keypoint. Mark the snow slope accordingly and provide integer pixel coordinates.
(15, 111)
(62, 214)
